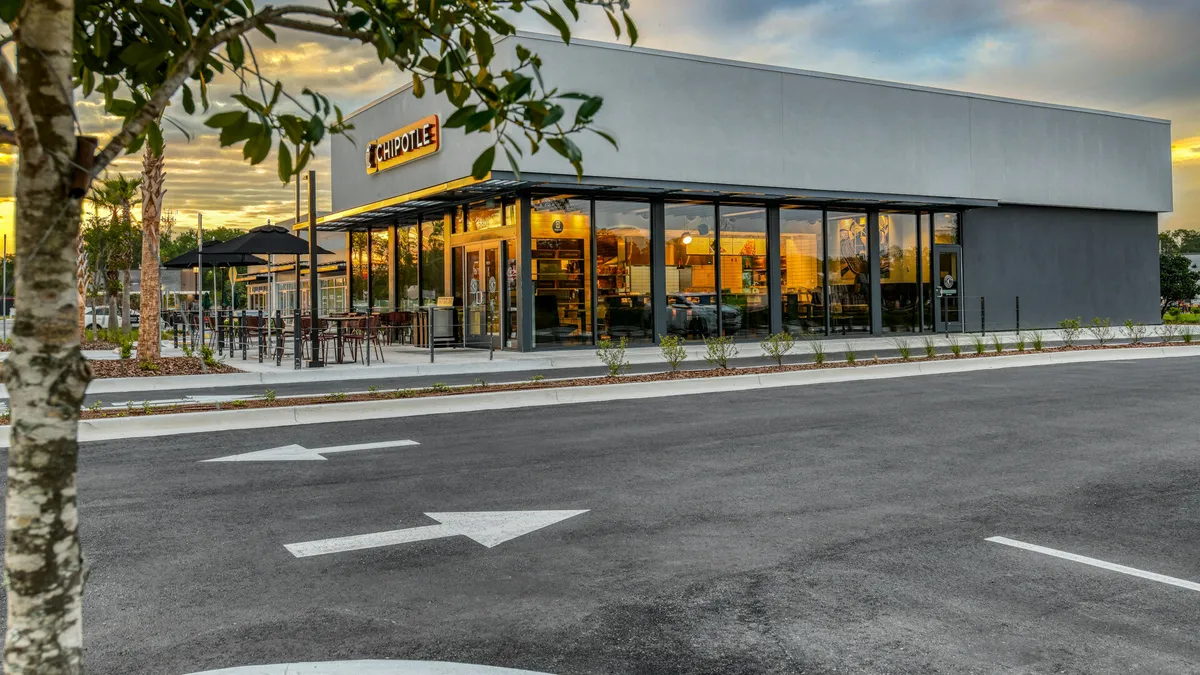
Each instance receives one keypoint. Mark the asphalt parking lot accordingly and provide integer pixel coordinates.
(821, 529)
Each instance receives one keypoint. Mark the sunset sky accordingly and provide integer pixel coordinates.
(1135, 56)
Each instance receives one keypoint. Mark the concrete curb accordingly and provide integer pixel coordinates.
(226, 420)
(370, 668)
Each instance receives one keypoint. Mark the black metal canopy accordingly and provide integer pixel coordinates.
(212, 258)
(265, 240)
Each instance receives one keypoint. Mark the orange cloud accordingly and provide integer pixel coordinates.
(1186, 150)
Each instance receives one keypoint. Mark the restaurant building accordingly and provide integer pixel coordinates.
(748, 199)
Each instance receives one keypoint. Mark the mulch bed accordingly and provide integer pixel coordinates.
(167, 365)
(443, 390)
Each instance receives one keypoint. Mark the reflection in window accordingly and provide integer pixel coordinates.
(561, 237)
(745, 311)
(691, 274)
(359, 259)
(945, 228)
(926, 228)
(623, 271)
(407, 260)
(898, 271)
(802, 270)
(381, 281)
(849, 273)
(433, 259)
(484, 216)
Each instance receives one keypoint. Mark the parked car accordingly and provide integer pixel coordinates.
(695, 315)
(97, 318)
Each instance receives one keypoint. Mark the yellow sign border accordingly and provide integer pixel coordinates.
(415, 134)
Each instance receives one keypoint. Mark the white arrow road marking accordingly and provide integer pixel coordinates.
(490, 528)
(299, 453)
(370, 668)
(1190, 585)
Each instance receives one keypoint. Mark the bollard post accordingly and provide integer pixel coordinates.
(262, 337)
(242, 331)
(982, 316)
(174, 332)
(429, 330)
(297, 338)
(1018, 314)
(338, 340)
(278, 337)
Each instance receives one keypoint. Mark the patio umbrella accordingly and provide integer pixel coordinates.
(268, 239)
(212, 259)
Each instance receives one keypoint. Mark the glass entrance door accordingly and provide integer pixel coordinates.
(482, 294)
(947, 270)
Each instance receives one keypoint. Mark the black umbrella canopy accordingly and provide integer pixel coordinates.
(268, 239)
(211, 259)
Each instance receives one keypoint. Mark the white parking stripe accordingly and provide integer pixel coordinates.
(1161, 578)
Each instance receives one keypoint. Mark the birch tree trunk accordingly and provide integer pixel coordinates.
(46, 374)
(153, 176)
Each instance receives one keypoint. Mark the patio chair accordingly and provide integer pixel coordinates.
(365, 333)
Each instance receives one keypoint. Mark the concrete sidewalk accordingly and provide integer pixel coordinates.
(410, 362)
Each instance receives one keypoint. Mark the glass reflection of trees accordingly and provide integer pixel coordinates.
(849, 272)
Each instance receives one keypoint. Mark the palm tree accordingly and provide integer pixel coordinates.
(153, 177)
(124, 193)
(113, 246)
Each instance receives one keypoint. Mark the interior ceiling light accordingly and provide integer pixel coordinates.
(687, 237)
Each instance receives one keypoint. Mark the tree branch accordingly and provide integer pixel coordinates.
(24, 134)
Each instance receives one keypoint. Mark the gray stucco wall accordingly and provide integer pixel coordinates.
(1062, 263)
(687, 120)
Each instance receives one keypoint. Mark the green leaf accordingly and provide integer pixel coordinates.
(632, 28)
(566, 148)
(294, 127)
(189, 103)
(459, 117)
(483, 46)
(588, 110)
(239, 132)
(155, 137)
(285, 161)
(479, 120)
(257, 148)
(512, 162)
(570, 5)
(607, 136)
(358, 20)
(555, 19)
(236, 52)
(9, 9)
(316, 129)
(140, 53)
(616, 25)
(226, 119)
(418, 85)
(483, 164)
(121, 107)
(553, 115)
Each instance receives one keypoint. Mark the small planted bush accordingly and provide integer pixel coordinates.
(955, 346)
(817, 345)
(929, 346)
(206, 354)
(851, 357)
(674, 350)
(1186, 334)
(1137, 331)
(718, 351)
(997, 344)
(1168, 332)
(778, 345)
(903, 347)
(1019, 343)
(612, 354)
(269, 395)
(126, 347)
(1069, 329)
(148, 366)
(979, 344)
(1101, 330)
(1037, 340)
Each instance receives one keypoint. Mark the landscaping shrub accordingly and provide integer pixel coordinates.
(930, 347)
(612, 354)
(1019, 343)
(1137, 331)
(673, 349)
(1168, 332)
(1101, 330)
(718, 351)
(955, 346)
(1038, 340)
(850, 356)
(979, 344)
(997, 343)
(778, 345)
(904, 347)
(1070, 331)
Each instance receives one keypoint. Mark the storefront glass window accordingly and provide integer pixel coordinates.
(359, 261)
(333, 294)
(691, 276)
(745, 311)
(623, 271)
(802, 270)
(561, 241)
(381, 280)
(848, 259)
(945, 228)
(898, 271)
(484, 216)
(433, 259)
(926, 229)
(407, 260)
(513, 284)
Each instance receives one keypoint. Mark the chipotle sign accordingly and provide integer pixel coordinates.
(419, 139)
